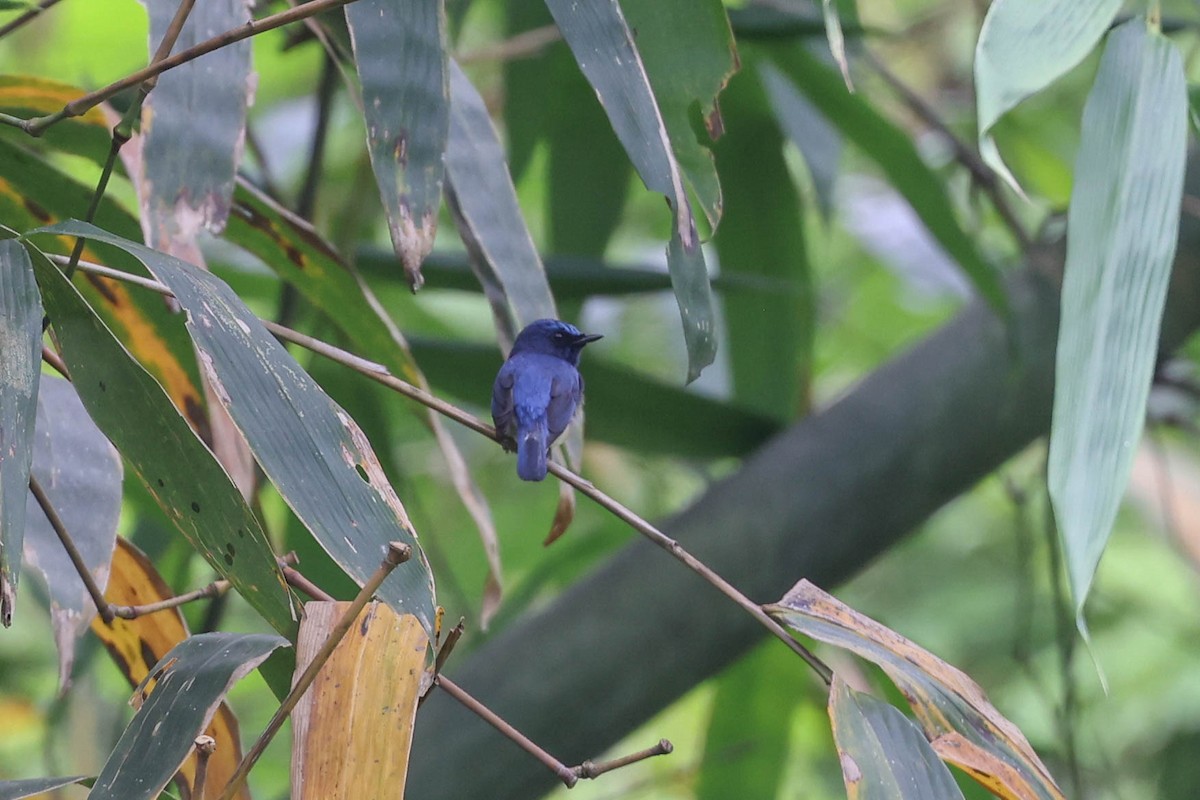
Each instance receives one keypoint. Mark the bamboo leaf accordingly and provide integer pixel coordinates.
(189, 683)
(365, 698)
(1023, 47)
(883, 754)
(600, 38)
(894, 152)
(193, 126)
(136, 645)
(313, 452)
(1122, 225)
(946, 701)
(489, 220)
(306, 261)
(20, 369)
(80, 472)
(400, 53)
(180, 473)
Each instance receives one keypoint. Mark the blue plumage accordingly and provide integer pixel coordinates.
(538, 390)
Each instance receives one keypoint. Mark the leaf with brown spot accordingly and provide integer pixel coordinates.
(138, 644)
(142, 321)
(882, 753)
(20, 370)
(400, 55)
(29, 96)
(944, 699)
(180, 473)
(301, 257)
(190, 683)
(80, 472)
(306, 444)
(364, 698)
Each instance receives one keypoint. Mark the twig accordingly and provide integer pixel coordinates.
(526, 44)
(564, 773)
(28, 16)
(214, 589)
(85, 575)
(205, 747)
(81, 105)
(440, 660)
(981, 173)
(591, 770)
(379, 374)
(298, 581)
(52, 358)
(397, 554)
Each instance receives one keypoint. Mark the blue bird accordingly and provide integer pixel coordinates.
(537, 391)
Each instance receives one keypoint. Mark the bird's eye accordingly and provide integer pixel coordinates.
(558, 337)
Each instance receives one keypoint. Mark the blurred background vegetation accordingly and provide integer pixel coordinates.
(855, 278)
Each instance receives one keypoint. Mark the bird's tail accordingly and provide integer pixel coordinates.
(532, 444)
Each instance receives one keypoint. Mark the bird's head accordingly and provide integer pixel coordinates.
(553, 337)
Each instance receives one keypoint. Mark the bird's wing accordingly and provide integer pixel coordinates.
(502, 401)
(566, 391)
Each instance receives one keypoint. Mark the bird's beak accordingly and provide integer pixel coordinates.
(588, 338)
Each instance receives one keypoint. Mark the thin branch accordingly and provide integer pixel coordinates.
(526, 44)
(52, 358)
(28, 16)
(564, 773)
(439, 661)
(81, 105)
(85, 575)
(380, 374)
(214, 589)
(591, 770)
(205, 747)
(397, 554)
(298, 581)
(981, 173)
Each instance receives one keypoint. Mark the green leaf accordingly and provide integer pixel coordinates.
(1023, 47)
(963, 727)
(189, 683)
(884, 756)
(20, 369)
(181, 474)
(819, 143)
(624, 407)
(771, 334)
(312, 451)
(18, 790)
(894, 152)
(145, 325)
(484, 202)
(306, 261)
(689, 55)
(195, 122)
(581, 148)
(400, 53)
(746, 744)
(1122, 226)
(80, 472)
(602, 42)
(837, 40)
(28, 96)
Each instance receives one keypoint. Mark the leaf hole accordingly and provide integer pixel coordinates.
(195, 507)
(362, 473)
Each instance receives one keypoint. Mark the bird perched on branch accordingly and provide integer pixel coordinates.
(537, 391)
